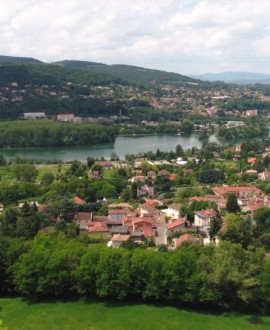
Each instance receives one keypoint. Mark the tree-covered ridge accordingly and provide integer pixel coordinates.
(134, 74)
(50, 74)
(15, 59)
(53, 134)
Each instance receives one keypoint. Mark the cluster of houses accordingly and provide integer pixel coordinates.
(122, 223)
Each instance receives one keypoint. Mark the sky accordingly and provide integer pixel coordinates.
(183, 36)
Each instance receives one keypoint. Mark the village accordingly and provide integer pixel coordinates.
(162, 220)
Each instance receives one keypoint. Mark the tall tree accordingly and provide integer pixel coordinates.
(232, 205)
(215, 226)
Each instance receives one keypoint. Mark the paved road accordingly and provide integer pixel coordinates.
(162, 237)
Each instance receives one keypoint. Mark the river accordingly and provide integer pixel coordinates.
(123, 145)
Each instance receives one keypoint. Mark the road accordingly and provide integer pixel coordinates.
(162, 237)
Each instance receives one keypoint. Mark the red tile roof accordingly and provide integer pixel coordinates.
(83, 216)
(78, 200)
(100, 218)
(205, 213)
(97, 227)
(120, 238)
(197, 199)
(230, 190)
(178, 222)
(151, 202)
(255, 206)
(186, 238)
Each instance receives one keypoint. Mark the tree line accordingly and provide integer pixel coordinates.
(217, 277)
(53, 134)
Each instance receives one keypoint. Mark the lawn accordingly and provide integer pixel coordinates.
(18, 314)
(225, 163)
(53, 169)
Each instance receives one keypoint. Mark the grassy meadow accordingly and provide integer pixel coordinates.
(18, 314)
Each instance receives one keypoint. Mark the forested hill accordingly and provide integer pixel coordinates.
(101, 72)
(133, 74)
(22, 60)
(51, 74)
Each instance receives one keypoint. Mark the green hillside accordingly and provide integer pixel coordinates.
(97, 73)
(51, 74)
(22, 60)
(133, 74)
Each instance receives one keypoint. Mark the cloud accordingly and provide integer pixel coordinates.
(188, 36)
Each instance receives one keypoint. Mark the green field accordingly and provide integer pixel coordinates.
(53, 169)
(18, 314)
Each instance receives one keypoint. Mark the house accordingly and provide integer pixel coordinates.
(137, 172)
(118, 239)
(252, 160)
(78, 200)
(196, 199)
(83, 219)
(151, 174)
(151, 202)
(173, 211)
(104, 163)
(116, 214)
(146, 190)
(33, 115)
(180, 161)
(251, 172)
(100, 218)
(202, 219)
(164, 172)
(97, 228)
(146, 210)
(265, 176)
(234, 123)
(186, 238)
(219, 200)
(67, 117)
(173, 177)
(137, 236)
(251, 113)
(144, 224)
(123, 230)
(177, 225)
(240, 192)
(253, 206)
(139, 178)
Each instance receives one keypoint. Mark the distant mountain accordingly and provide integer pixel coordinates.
(235, 77)
(22, 60)
(132, 74)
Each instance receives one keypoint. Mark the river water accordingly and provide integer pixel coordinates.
(122, 146)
